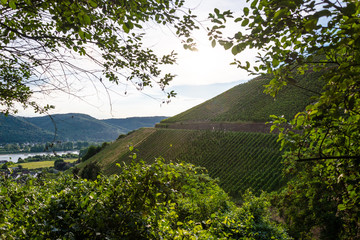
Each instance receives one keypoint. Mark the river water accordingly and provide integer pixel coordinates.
(14, 157)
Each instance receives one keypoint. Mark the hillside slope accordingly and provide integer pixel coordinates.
(247, 102)
(16, 130)
(226, 135)
(239, 160)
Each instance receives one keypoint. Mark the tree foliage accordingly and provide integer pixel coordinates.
(91, 151)
(43, 42)
(61, 165)
(91, 171)
(293, 38)
(158, 201)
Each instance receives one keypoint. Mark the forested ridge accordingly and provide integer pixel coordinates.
(68, 127)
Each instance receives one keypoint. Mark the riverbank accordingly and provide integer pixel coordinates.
(15, 156)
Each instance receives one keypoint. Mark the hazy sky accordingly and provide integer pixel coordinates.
(200, 75)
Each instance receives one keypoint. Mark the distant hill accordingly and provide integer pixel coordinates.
(75, 126)
(69, 127)
(133, 123)
(18, 130)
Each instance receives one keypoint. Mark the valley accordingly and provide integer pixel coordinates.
(275, 157)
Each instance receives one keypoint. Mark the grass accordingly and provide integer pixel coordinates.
(41, 164)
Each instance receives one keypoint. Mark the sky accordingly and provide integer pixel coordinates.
(200, 75)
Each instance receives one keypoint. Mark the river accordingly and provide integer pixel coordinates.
(15, 156)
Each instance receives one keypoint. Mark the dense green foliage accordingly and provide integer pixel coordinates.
(247, 102)
(90, 171)
(235, 158)
(107, 35)
(295, 37)
(92, 150)
(61, 165)
(158, 201)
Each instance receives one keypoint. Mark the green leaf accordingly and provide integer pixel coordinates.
(81, 34)
(12, 4)
(213, 43)
(235, 50)
(273, 127)
(253, 3)
(275, 62)
(238, 19)
(238, 48)
(3, 2)
(125, 28)
(87, 19)
(245, 22)
(92, 3)
(341, 207)
(246, 11)
(279, 14)
(310, 24)
(228, 45)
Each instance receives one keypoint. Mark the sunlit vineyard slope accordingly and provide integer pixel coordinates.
(239, 160)
(247, 102)
(226, 135)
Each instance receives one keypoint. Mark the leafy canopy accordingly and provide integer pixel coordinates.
(45, 45)
(299, 36)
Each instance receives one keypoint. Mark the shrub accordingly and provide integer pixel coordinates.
(61, 165)
(90, 171)
(92, 150)
(158, 201)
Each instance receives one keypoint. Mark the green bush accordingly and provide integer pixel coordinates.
(92, 150)
(158, 201)
(90, 171)
(61, 165)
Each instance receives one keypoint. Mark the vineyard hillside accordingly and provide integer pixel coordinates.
(247, 102)
(226, 135)
(239, 160)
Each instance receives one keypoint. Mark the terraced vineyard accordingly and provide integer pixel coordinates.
(166, 143)
(239, 160)
(226, 135)
(247, 102)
